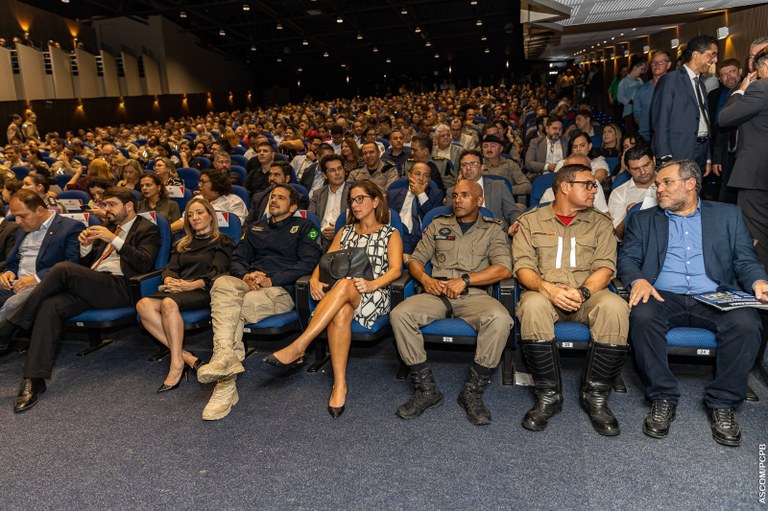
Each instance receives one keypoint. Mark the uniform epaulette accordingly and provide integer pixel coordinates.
(437, 158)
(493, 220)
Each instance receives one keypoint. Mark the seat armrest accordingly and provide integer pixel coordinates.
(401, 288)
(507, 295)
(304, 302)
(618, 287)
(144, 284)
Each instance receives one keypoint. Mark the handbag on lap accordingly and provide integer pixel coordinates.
(347, 263)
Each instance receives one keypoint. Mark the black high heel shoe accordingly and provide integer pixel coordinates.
(274, 362)
(199, 362)
(336, 411)
(184, 375)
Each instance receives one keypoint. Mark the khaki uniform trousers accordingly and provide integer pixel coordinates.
(606, 314)
(482, 312)
(234, 304)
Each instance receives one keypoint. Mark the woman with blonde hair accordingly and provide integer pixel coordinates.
(130, 174)
(355, 299)
(198, 258)
(97, 168)
(350, 155)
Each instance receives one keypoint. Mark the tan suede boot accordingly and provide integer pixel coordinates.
(223, 399)
(224, 364)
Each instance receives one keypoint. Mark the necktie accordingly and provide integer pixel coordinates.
(110, 249)
(700, 98)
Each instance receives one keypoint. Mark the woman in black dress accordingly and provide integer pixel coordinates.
(197, 259)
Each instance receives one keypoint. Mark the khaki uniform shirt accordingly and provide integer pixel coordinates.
(511, 170)
(453, 253)
(384, 175)
(564, 254)
(447, 177)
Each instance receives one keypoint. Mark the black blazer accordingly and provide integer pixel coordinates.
(139, 250)
(8, 232)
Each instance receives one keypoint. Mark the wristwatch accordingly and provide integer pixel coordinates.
(465, 278)
(585, 293)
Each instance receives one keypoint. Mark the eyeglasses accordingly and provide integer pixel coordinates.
(589, 185)
(470, 165)
(203, 181)
(659, 62)
(359, 199)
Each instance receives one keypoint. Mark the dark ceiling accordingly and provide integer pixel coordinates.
(475, 39)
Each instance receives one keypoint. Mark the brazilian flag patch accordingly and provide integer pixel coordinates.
(313, 234)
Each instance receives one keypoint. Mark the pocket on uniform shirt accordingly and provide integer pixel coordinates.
(546, 250)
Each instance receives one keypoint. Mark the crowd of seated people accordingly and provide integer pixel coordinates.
(469, 148)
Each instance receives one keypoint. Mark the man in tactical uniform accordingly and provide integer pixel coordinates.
(467, 252)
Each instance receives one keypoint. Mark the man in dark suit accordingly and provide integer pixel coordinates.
(414, 201)
(723, 143)
(545, 151)
(46, 239)
(313, 179)
(679, 118)
(330, 201)
(111, 254)
(496, 196)
(681, 248)
(747, 108)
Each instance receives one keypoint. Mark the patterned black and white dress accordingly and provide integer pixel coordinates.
(372, 305)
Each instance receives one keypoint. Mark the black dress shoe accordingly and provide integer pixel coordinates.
(725, 429)
(30, 390)
(272, 360)
(657, 421)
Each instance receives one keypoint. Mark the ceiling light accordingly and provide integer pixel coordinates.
(634, 29)
(343, 65)
(437, 55)
(428, 44)
(479, 22)
(299, 70)
(473, 2)
(222, 32)
(339, 20)
(604, 42)
(487, 50)
(182, 14)
(375, 50)
(305, 42)
(359, 37)
(326, 54)
(701, 8)
(246, 7)
(674, 43)
(417, 29)
(253, 47)
(403, 11)
(279, 26)
(279, 59)
(722, 32)
(621, 35)
(389, 60)
(646, 49)
(484, 38)
(612, 38)
(65, 1)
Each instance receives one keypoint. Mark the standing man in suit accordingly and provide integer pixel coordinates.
(413, 202)
(46, 239)
(545, 151)
(330, 201)
(111, 254)
(747, 108)
(679, 116)
(684, 247)
(723, 143)
(496, 196)
(641, 106)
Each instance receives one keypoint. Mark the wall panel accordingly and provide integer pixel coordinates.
(61, 64)
(32, 74)
(110, 82)
(7, 83)
(87, 79)
(131, 80)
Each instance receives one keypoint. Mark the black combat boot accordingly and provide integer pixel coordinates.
(425, 395)
(543, 362)
(471, 398)
(604, 363)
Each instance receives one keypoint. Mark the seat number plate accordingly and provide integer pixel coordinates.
(447, 339)
(703, 352)
(566, 345)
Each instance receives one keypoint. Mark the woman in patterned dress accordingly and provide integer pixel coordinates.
(351, 299)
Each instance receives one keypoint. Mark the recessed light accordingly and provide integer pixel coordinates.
(305, 42)
(479, 22)
(417, 29)
(375, 50)
(428, 44)
(246, 7)
(182, 14)
(403, 11)
(359, 37)
(279, 26)
(222, 32)
(339, 20)
(326, 54)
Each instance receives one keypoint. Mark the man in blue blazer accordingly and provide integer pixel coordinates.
(45, 239)
(679, 118)
(681, 248)
(414, 201)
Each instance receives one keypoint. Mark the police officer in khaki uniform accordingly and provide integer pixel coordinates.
(494, 163)
(441, 170)
(272, 255)
(565, 256)
(467, 252)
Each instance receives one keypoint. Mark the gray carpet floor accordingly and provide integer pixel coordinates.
(101, 438)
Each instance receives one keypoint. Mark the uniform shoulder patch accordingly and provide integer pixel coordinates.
(313, 234)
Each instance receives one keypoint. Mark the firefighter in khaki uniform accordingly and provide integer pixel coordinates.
(467, 252)
(565, 256)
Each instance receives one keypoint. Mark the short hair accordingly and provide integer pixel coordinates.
(637, 153)
(222, 154)
(761, 56)
(314, 136)
(700, 43)
(424, 141)
(729, 62)
(760, 40)
(577, 134)
(162, 190)
(293, 195)
(662, 52)
(29, 198)
(337, 130)
(374, 144)
(471, 152)
(124, 195)
(219, 182)
(373, 191)
(688, 169)
(585, 113)
(284, 166)
(99, 182)
(13, 185)
(552, 118)
(566, 175)
(331, 157)
(265, 144)
(325, 146)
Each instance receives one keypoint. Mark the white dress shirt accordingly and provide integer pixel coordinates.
(332, 207)
(30, 249)
(626, 194)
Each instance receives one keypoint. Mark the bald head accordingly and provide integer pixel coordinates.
(467, 198)
(578, 159)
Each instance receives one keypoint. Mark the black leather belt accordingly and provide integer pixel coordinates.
(702, 140)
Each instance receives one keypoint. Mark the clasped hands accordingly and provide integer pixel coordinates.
(95, 232)
(563, 296)
(451, 288)
(8, 281)
(256, 280)
(172, 285)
